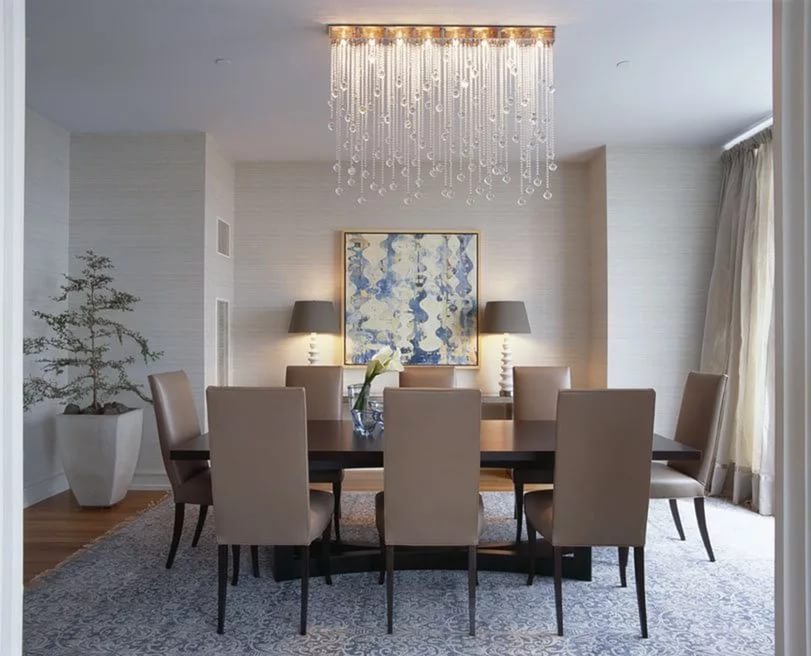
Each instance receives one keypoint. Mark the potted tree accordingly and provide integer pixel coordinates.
(98, 437)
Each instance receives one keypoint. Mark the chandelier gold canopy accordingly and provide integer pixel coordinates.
(469, 106)
(544, 33)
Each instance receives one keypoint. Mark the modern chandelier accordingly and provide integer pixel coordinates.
(471, 107)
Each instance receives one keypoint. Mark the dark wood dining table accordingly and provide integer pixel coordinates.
(504, 443)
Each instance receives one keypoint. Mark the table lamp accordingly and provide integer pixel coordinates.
(313, 317)
(505, 317)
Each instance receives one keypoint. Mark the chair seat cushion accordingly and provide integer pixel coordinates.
(532, 475)
(667, 483)
(538, 508)
(196, 489)
(326, 474)
(380, 522)
(320, 512)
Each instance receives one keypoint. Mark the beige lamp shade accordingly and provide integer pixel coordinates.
(313, 317)
(505, 317)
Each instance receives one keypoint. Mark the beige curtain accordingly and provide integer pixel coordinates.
(738, 333)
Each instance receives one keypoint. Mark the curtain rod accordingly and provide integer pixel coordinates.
(751, 131)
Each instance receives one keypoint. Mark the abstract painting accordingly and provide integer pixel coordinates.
(416, 291)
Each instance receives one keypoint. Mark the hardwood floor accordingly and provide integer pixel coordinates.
(58, 527)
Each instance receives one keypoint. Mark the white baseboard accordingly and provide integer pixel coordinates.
(154, 480)
(36, 492)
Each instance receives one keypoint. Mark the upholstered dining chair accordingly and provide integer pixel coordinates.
(602, 482)
(177, 421)
(435, 500)
(535, 397)
(324, 388)
(697, 426)
(427, 376)
(260, 479)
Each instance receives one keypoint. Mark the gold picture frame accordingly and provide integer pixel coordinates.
(475, 236)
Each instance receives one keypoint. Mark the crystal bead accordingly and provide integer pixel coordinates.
(339, 191)
(351, 182)
(529, 190)
(547, 195)
(537, 182)
(407, 200)
(336, 167)
(393, 186)
(361, 200)
(522, 201)
(460, 177)
(330, 126)
(489, 195)
(470, 201)
(553, 166)
(506, 179)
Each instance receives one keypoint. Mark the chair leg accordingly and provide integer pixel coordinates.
(639, 575)
(702, 526)
(180, 510)
(336, 494)
(222, 585)
(558, 556)
(471, 587)
(519, 506)
(382, 578)
(390, 589)
(305, 587)
(623, 565)
(674, 510)
(325, 558)
(530, 552)
(201, 520)
(255, 560)
(235, 574)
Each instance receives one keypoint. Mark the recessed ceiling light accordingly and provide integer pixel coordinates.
(624, 63)
(222, 60)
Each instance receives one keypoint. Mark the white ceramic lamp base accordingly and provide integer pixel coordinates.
(313, 354)
(506, 380)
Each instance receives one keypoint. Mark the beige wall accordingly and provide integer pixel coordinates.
(288, 247)
(139, 199)
(47, 149)
(662, 206)
(219, 270)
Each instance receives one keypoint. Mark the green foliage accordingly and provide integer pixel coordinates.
(80, 341)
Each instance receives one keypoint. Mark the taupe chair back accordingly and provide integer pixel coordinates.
(259, 474)
(427, 376)
(431, 457)
(324, 388)
(603, 449)
(177, 421)
(535, 391)
(698, 423)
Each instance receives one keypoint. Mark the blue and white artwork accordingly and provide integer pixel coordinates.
(416, 291)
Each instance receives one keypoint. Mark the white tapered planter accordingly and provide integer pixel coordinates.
(99, 454)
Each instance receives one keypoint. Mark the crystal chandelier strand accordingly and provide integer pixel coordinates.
(474, 106)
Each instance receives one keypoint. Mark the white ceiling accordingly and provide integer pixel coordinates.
(700, 71)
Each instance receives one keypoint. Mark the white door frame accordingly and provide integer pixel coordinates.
(12, 188)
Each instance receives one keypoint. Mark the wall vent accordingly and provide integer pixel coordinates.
(223, 237)
(223, 343)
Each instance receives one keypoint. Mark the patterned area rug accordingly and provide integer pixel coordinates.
(116, 598)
